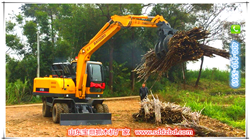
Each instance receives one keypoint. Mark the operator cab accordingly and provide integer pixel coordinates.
(62, 70)
(94, 71)
(95, 76)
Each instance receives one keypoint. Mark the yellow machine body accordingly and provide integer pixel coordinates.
(49, 86)
(54, 86)
(58, 87)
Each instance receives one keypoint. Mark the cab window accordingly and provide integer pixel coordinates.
(95, 72)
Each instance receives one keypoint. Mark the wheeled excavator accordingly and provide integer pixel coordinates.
(70, 96)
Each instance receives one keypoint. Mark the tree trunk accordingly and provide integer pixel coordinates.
(132, 76)
(52, 30)
(198, 78)
(133, 63)
(183, 75)
(111, 67)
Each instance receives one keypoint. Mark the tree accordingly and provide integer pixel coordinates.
(107, 10)
(75, 26)
(33, 18)
(12, 40)
(29, 30)
(209, 17)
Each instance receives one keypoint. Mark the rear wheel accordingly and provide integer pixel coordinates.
(99, 108)
(57, 110)
(106, 108)
(46, 110)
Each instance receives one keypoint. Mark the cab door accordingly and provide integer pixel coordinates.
(95, 79)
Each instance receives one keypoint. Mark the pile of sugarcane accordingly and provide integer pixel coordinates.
(183, 46)
(155, 111)
(158, 112)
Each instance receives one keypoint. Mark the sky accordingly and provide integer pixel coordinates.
(215, 62)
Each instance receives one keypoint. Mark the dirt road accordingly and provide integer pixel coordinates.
(27, 121)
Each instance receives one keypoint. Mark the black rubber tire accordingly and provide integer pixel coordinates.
(65, 108)
(106, 108)
(46, 110)
(99, 108)
(56, 112)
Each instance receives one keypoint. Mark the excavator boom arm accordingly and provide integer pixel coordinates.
(107, 31)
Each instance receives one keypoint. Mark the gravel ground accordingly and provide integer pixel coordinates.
(27, 121)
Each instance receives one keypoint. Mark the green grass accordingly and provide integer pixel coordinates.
(210, 74)
(213, 94)
(232, 113)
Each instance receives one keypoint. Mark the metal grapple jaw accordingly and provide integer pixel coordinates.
(165, 32)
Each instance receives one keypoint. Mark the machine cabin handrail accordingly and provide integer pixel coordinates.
(107, 31)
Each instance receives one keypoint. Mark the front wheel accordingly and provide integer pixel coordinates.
(105, 108)
(57, 110)
(99, 108)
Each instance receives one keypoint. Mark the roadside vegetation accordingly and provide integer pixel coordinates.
(18, 92)
(214, 96)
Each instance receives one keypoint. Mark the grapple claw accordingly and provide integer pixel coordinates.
(165, 32)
